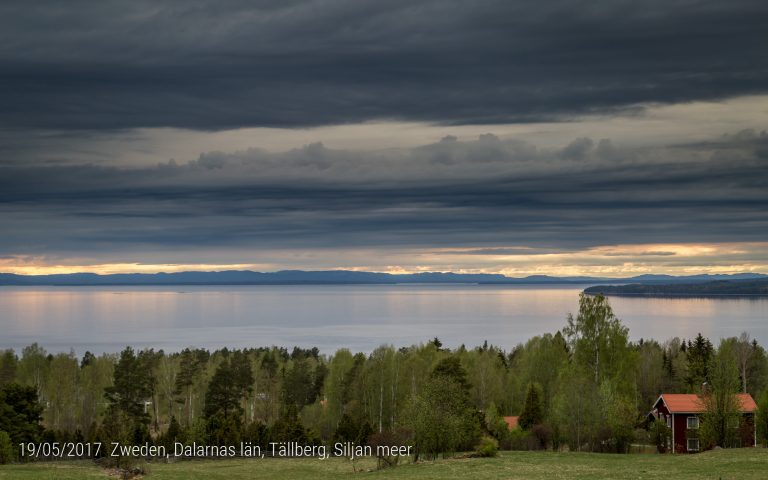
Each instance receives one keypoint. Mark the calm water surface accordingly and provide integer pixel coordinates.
(105, 319)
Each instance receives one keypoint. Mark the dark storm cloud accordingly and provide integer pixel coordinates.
(434, 196)
(228, 63)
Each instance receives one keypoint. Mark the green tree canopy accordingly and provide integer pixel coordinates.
(20, 413)
(232, 380)
(719, 426)
(132, 386)
(600, 343)
(451, 368)
(699, 353)
(441, 418)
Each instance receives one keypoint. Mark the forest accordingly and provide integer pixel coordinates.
(747, 287)
(586, 387)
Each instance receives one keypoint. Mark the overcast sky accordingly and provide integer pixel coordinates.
(594, 137)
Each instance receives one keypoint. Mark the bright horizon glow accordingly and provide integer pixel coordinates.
(612, 261)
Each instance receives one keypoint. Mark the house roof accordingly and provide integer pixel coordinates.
(512, 422)
(693, 403)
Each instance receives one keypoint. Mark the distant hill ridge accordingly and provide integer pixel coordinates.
(340, 277)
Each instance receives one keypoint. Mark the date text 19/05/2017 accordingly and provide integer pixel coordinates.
(49, 450)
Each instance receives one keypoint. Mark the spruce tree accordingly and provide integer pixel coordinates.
(533, 410)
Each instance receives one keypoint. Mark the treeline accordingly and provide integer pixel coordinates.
(586, 387)
(757, 286)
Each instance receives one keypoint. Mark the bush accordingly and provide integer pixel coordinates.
(223, 430)
(488, 447)
(519, 439)
(762, 418)
(7, 454)
(643, 442)
(386, 438)
(124, 466)
(135, 469)
(496, 426)
(543, 436)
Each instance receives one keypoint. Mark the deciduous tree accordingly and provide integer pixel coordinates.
(719, 425)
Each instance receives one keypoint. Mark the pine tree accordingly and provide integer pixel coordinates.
(533, 410)
(699, 357)
(20, 413)
(8, 365)
(451, 368)
(190, 368)
(230, 382)
(132, 386)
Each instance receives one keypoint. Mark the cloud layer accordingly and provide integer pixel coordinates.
(492, 196)
(223, 64)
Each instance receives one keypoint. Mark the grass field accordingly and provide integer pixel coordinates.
(742, 464)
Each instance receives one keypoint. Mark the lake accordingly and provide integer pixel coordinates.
(360, 317)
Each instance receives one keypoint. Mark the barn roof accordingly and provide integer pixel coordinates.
(693, 403)
(512, 422)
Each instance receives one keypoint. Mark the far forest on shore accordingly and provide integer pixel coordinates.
(750, 287)
(586, 387)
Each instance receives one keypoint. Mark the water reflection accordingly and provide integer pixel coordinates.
(359, 317)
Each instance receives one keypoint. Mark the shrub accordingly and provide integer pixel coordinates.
(389, 439)
(519, 439)
(488, 447)
(6, 448)
(762, 418)
(542, 434)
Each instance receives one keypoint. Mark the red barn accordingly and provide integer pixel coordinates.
(682, 412)
(512, 422)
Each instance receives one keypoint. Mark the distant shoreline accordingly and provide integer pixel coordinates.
(346, 277)
(681, 295)
(750, 288)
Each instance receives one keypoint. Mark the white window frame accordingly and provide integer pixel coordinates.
(695, 423)
(698, 444)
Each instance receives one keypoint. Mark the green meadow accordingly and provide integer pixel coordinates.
(742, 464)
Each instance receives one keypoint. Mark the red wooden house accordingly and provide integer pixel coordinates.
(682, 413)
(512, 422)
